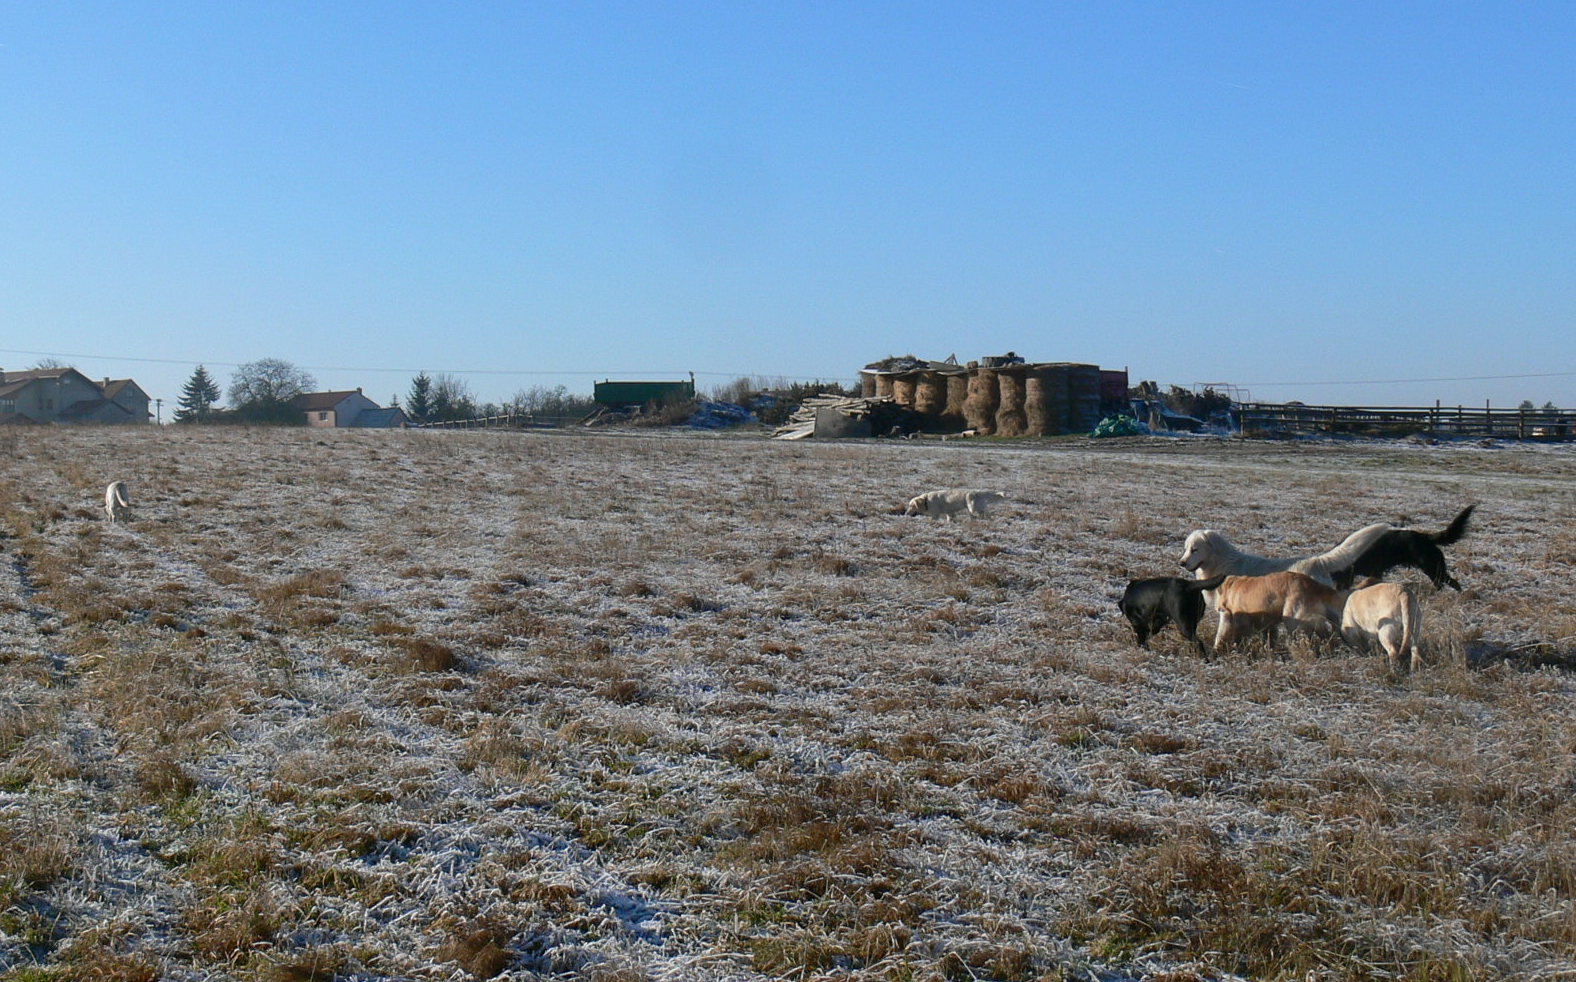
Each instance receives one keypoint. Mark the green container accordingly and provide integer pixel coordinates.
(615, 394)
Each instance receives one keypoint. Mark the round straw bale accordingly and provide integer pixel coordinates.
(930, 394)
(1010, 417)
(957, 395)
(1083, 398)
(979, 409)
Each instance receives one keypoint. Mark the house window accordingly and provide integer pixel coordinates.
(321, 417)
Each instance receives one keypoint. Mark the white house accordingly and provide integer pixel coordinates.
(341, 409)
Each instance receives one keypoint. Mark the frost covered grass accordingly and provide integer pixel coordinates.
(642, 706)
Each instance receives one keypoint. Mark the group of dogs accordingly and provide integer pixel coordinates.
(1339, 591)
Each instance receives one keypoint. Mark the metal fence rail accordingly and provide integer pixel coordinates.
(1292, 419)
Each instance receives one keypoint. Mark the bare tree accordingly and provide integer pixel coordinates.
(261, 390)
(451, 398)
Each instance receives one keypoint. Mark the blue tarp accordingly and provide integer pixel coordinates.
(719, 415)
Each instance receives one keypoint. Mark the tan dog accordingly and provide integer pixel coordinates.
(117, 503)
(1208, 553)
(1386, 615)
(1265, 603)
(947, 504)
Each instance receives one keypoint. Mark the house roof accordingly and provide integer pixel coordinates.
(380, 418)
(83, 408)
(316, 401)
(115, 386)
(33, 374)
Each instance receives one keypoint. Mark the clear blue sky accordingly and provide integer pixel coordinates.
(1273, 195)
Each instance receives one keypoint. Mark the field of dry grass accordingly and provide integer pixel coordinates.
(620, 707)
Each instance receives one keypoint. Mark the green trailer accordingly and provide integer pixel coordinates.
(618, 395)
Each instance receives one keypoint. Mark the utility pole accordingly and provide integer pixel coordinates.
(158, 411)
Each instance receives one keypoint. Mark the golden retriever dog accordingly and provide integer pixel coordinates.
(117, 503)
(1386, 616)
(1250, 604)
(1208, 553)
(950, 503)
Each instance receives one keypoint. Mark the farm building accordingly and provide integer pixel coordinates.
(1002, 395)
(622, 395)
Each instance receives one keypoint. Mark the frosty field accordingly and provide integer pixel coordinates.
(630, 706)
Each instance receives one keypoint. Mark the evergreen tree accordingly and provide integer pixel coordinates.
(197, 397)
(418, 403)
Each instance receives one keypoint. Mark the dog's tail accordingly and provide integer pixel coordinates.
(1411, 613)
(1209, 584)
(1455, 530)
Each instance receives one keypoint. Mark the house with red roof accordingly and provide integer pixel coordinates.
(341, 409)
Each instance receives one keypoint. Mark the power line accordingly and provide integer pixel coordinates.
(1400, 381)
(412, 371)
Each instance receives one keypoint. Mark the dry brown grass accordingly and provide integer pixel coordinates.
(356, 704)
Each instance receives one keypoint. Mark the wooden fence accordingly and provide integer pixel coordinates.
(512, 421)
(1292, 419)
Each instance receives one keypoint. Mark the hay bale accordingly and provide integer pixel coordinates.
(1045, 400)
(903, 391)
(883, 386)
(867, 384)
(953, 417)
(1011, 420)
(1083, 398)
(984, 395)
(930, 394)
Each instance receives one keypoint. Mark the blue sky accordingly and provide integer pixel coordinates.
(1334, 202)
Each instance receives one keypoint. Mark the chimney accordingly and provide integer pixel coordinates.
(106, 382)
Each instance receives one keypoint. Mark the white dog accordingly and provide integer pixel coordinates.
(947, 504)
(116, 501)
(1209, 553)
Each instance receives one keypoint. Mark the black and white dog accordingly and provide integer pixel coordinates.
(1408, 547)
(1149, 604)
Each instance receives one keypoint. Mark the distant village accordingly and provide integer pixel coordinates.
(65, 395)
(994, 396)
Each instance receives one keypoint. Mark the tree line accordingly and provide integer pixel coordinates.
(261, 392)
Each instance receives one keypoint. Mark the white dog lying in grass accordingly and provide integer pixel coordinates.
(116, 501)
(946, 504)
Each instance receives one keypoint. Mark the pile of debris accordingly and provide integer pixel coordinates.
(848, 416)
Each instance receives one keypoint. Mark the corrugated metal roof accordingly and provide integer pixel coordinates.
(380, 418)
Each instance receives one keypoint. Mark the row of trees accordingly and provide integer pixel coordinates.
(261, 392)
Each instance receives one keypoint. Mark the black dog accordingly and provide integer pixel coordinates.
(1408, 547)
(1149, 604)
